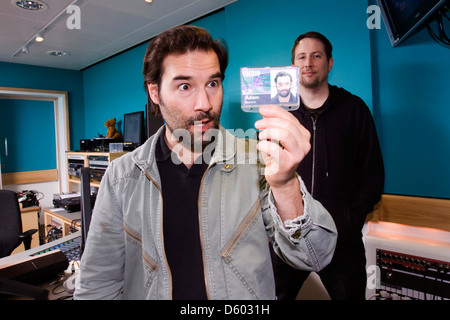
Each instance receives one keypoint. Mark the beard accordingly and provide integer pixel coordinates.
(311, 84)
(284, 93)
(314, 82)
(180, 126)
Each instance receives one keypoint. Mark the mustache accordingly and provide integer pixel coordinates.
(308, 69)
(202, 115)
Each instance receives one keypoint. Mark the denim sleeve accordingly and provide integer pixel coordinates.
(307, 242)
(100, 275)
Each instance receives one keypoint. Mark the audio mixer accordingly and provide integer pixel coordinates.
(409, 277)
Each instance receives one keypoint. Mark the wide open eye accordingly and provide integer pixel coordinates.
(183, 87)
(214, 84)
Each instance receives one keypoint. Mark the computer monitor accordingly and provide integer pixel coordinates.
(133, 128)
(403, 18)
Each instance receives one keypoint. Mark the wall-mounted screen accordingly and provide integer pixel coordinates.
(403, 17)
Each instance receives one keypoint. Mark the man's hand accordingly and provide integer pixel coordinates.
(284, 143)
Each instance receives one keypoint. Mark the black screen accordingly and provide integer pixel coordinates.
(133, 128)
(405, 16)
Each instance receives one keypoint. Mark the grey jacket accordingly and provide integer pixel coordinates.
(124, 256)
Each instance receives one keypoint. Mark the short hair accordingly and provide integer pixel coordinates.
(282, 74)
(178, 40)
(314, 35)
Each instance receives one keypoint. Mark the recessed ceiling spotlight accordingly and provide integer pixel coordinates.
(148, 1)
(57, 53)
(39, 37)
(30, 5)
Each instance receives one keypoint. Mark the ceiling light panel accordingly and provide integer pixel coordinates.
(31, 5)
(57, 53)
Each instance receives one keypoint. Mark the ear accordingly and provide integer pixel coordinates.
(153, 92)
(330, 64)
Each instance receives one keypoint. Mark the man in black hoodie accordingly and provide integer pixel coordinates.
(344, 169)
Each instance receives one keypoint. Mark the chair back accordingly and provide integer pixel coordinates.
(10, 222)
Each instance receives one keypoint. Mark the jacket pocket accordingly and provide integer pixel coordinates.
(240, 232)
(247, 258)
(140, 269)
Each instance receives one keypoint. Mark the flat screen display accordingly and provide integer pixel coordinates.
(133, 128)
(403, 17)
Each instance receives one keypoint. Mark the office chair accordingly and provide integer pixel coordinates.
(11, 235)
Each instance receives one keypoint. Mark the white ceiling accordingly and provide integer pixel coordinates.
(107, 27)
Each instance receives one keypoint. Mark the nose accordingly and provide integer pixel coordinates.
(308, 61)
(202, 100)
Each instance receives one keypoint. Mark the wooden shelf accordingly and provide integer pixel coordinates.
(413, 211)
(84, 156)
(60, 216)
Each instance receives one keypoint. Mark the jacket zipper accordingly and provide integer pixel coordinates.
(200, 230)
(243, 226)
(314, 121)
(162, 232)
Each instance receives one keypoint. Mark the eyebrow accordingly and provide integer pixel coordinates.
(217, 75)
(183, 77)
(314, 52)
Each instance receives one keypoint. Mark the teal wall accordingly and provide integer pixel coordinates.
(113, 88)
(32, 77)
(405, 87)
(412, 111)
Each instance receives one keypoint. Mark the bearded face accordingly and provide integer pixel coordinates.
(190, 96)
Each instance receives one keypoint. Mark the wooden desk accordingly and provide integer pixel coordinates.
(30, 220)
(59, 216)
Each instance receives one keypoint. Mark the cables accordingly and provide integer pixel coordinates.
(440, 36)
(53, 234)
(73, 225)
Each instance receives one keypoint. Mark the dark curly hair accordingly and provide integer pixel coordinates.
(178, 40)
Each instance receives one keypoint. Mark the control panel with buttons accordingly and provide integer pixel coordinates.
(71, 249)
(408, 277)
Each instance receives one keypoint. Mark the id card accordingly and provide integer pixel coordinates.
(269, 85)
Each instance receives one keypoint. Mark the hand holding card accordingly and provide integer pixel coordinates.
(283, 143)
(269, 85)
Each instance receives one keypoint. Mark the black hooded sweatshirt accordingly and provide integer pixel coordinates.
(344, 169)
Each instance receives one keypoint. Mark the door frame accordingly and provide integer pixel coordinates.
(61, 111)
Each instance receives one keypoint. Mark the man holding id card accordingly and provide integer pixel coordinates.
(191, 213)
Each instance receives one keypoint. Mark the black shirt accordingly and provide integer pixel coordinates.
(180, 189)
